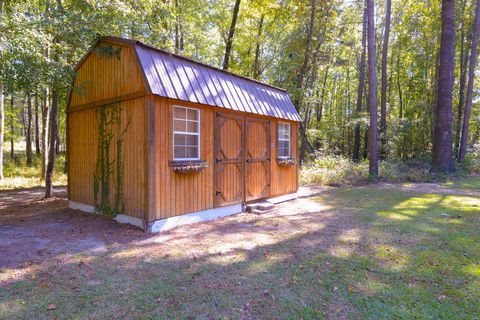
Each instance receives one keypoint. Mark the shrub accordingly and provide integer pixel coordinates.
(337, 170)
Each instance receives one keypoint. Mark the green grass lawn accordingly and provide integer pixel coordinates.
(371, 252)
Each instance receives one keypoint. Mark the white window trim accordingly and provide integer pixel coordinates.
(186, 133)
(289, 140)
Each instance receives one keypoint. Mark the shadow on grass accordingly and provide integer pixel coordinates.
(348, 253)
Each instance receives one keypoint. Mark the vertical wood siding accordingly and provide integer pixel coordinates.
(101, 77)
(284, 178)
(181, 193)
(177, 194)
(83, 144)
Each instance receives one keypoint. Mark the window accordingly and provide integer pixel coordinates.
(186, 133)
(284, 140)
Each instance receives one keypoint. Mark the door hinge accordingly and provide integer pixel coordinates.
(218, 160)
(217, 193)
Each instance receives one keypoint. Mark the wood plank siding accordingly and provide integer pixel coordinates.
(177, 194)
(83, 156)
(105, 80)
(104, 76)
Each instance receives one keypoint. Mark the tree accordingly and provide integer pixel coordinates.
(463, 79)
(383, 103)
(29, 130)
(52, 145)
(228, 47)
(442, 160)
(2, 129)
(471, 78)
(37, 129)
(372, 90)
(361, 84)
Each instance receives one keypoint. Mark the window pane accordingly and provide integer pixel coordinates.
(186, 146)
(283, 148)
(191, 140)
(192, 126)
(192, 114)
(283, 131)
(192, 152)
(179, 152)
(179, 139)
(179, 125)
(179, 113)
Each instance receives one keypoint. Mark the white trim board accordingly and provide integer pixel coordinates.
(169, 223)
(81, 206)
(189, 218)
(120, 218)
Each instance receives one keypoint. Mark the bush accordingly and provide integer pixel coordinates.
(337, 170)
(471, 165)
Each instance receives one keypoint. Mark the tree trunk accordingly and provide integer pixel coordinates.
(52, 145)
(383, 103)
(399, 84)
(29, 130)
(178, 29)
(442, 160)
(463, 81)
(37, 129)
(361, 85)
(256, 63)
(372, 90)
(471, 78)
(2, 129)
(12, 128)
(228, 47)
(45, 130)
(319, 110)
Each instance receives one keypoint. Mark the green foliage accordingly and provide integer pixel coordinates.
(338, 170)
(108, 51)
(41, 41)
(19, 175)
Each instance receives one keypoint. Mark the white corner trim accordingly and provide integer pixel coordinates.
(123, 218)
(81, 206)
(205, 215)
(286, 197)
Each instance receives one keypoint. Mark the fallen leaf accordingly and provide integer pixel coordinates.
(350, 288)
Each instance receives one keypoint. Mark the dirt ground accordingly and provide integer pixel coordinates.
(33, 229)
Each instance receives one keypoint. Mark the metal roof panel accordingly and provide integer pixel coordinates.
(173, 76)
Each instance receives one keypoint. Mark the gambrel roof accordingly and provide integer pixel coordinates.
(177, 77)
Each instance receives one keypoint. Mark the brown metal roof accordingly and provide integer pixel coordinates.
(177, 77)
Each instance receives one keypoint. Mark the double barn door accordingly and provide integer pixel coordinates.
(242, 159)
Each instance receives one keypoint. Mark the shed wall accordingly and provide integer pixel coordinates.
(176, 194)
(83, 132)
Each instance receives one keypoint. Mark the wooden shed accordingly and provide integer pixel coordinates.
(158, 140)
